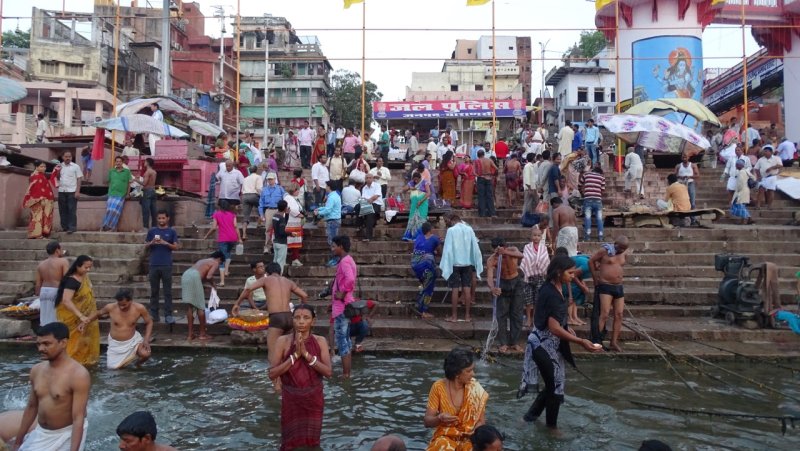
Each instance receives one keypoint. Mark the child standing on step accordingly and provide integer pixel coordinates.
(535, 260)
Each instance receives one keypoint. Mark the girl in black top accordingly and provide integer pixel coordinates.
(548, 344)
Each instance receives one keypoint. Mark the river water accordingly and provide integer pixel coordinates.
(212, 401)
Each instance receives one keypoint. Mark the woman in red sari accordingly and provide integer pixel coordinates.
(467, 172)
(301, 359)
(39, 199)
(320, 146)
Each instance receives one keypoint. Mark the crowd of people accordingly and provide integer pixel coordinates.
(535, 290)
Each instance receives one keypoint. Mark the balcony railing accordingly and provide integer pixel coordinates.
(300, 100)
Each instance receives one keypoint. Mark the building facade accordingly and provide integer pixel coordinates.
(582, 90)
(294, 68)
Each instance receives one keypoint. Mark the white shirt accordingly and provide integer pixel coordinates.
(336, 167)
(632, 160)
(230, 183)
(350, 196)
(382, 175)
(751, 134)
(158, 115)
(529, 176)
(320, 173)
(130, 151)
(730, 166)
(279, 140)
(340, 133)
(306, 136)
(373, 190)
(764, 163)
(431, 149)
(253, 184)
(786, 150)
(41, 128)
(68, 180)
(489, 137)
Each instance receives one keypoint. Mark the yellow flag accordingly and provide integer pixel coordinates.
(349, 3)
(477, 2)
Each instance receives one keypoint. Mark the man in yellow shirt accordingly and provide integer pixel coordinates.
(677, 193)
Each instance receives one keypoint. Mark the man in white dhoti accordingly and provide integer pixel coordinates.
(48, 275)
(58, 398)
(125, 343)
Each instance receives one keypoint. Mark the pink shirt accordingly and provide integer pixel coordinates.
(345, 281)
(225, 224)
(350, 143)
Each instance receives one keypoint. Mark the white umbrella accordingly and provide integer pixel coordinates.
(205, 128)
(164, 103)
(140, 123)
(654, 132)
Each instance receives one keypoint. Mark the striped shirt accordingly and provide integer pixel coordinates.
(593, 185)
(534, 261)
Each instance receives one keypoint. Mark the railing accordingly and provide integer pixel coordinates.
(302, 100)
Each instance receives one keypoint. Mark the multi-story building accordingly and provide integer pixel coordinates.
(468, 73)
(196, 73)
(583, 89)
(297, 75)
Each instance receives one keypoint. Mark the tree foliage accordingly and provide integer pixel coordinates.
(17, 39)
(589, 45)
(346, 99)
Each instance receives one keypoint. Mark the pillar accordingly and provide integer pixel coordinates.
(791, 90)
(675, 54)
(98, 109)
(68, 108)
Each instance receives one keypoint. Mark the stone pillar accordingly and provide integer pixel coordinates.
(20, 132)
(68, 112)
(62, 111)
(791, 90)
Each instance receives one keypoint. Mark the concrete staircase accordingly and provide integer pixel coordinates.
(670, 282)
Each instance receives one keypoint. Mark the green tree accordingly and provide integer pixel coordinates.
(589, 45)
(17, 39)
(346, 98)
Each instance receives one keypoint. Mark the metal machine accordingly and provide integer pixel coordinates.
(739, 298)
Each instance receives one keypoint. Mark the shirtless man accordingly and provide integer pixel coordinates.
(606, 267)
(58, 398)
(279, 291)
(565, 228)
(125, 343)
(149, 211)
(193, 293)
(48, 275)
(138, 431)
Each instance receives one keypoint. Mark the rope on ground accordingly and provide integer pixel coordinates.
(784, 419)
(659, 350)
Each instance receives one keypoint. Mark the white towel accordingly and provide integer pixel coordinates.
(41, 439)
(47, 305)
(122, 353)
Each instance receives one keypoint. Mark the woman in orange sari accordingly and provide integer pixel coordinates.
(456, 404)
(320, 145)
(447, 178)
(467, 172)
(39, 199)
(74, 304)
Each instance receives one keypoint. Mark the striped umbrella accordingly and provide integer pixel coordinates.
(140, 123)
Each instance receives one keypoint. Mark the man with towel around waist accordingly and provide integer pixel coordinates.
(58, 398)
(125, 343)
(565, 226)
(48, 275)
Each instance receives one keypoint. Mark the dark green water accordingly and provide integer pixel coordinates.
(218, 402)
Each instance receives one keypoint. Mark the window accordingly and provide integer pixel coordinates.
(599, 95)
(454, 88)
(49, 67)
(511, 47)
(301, 69)
(29, 109)
(258, 95)
(73, 70)
(479, 87)
(583, 95)
(613, 95)
(491, 47)
(469, 51)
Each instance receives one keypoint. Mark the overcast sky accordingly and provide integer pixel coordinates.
(400, 53)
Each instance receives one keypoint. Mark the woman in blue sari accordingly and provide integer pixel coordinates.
(418, 208)
(424, 266)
